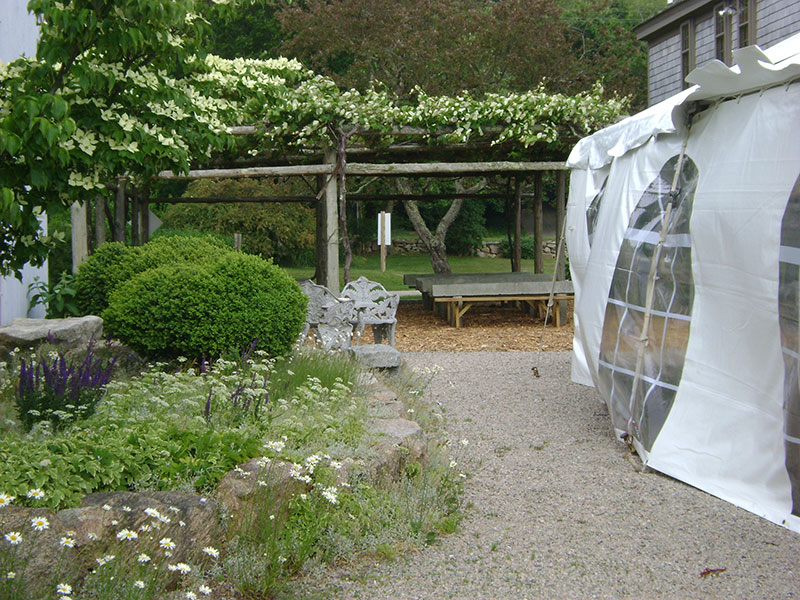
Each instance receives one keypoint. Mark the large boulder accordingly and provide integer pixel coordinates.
(377, 356)
(37, 550)
(190, 521)
(67, 333)
(399, 442)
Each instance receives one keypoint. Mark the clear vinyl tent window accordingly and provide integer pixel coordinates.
(641, 409)
(789, 313)
(594, 211)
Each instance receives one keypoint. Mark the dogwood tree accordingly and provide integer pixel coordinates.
(124, 87)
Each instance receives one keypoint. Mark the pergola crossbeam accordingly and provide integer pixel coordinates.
(373, 169)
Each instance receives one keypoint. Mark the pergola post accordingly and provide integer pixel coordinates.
(538, 225)
(99, 221)
(330, 230)
(80, 234)
(120, 211)
(516, 264)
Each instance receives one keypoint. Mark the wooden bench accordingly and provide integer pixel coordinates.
(424, 281)
(458, 298)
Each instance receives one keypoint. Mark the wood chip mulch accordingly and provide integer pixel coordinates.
(484, 328)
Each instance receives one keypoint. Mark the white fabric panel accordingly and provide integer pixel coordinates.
(583, 187)
(629, 177)
(725, 431)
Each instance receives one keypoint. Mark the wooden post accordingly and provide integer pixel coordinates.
(517, 262)
(320, 243)
(99, 221)
(331, 233)
(382, 226)
(561, 206)
(237, 242)
(135, 222)
(80, 235)
(144, 210)
(120, 211)
(538, 225)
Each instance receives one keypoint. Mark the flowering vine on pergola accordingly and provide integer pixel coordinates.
(122, 89)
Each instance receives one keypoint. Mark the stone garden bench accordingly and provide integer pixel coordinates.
(373, 306)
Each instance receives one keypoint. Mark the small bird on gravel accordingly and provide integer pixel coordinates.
(535, 371)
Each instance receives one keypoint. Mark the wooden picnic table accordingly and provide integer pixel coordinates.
(456, 294)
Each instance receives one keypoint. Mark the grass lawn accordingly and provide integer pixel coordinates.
(397, 266)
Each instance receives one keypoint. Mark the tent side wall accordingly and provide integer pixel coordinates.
(724, 425)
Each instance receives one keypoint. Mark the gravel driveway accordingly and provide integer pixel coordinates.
(556, 511)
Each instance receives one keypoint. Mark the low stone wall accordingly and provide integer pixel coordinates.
(488, 250)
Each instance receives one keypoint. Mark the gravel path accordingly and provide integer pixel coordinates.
(556, 511)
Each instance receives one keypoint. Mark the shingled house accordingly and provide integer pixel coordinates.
(689, 33)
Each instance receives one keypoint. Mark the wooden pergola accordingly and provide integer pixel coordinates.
(330, 171)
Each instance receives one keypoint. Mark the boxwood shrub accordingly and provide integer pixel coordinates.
(207, 308)
(114, 263)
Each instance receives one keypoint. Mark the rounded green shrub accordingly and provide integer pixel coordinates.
(109, 265)
(527, 245)
(191, 309)
(114, 263)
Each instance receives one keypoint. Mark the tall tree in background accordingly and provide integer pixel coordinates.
(442, 46)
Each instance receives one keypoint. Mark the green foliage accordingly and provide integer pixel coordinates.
(114, 263)
(208, 308)
(58, 298)
(100, 274)
(527, 245)
(281, 231)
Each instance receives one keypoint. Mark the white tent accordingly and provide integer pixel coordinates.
(683, 229)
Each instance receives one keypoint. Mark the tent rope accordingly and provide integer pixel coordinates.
(559, 250)
(644, 338)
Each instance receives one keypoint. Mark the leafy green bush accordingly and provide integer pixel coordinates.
(208, 308)
(527, 244)
(100, 274)
(57, 298)
(282, 231)
(114, 263)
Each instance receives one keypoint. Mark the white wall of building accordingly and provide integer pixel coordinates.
(18, 36)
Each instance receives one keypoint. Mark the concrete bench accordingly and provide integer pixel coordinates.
(424, 281)
(458, 298)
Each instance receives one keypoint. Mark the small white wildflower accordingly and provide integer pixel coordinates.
(138, 584)
(272, 517)
(152, 512)
(181, 524)
(330, 494)
(127, 534)
(67, 542)
(262, 483)
(174, 509)
(464, 442)
(11, 575)
(204, 589)
(143, 558)
(183, 568)
(114, 522)
(275, 446)
(35, 493)
(281, 559)
(126, 509)
(191, 596)
(211, 551)
(410, 411)
(6, 499)
(14, 538)
(335, 464)
(106, 507)
(64, 588)
(40, 523)
(167, 544)
(462, 475)
(93, 536)
(303, 496)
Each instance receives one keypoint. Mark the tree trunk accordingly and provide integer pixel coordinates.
(435, 242)
(341, 167)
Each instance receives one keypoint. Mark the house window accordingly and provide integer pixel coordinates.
(723, 24)
(747, 23)
(687, 51)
